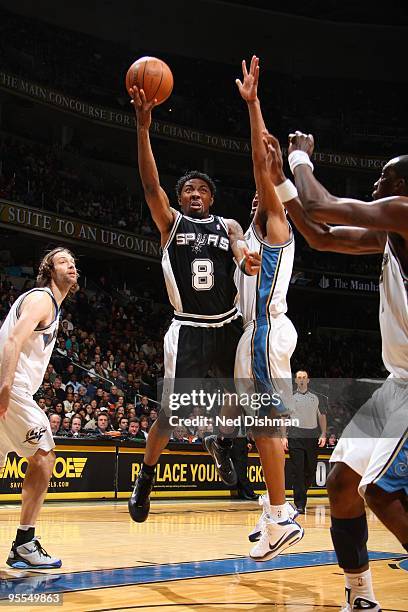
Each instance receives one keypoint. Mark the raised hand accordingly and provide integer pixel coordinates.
(274, 157)
(143, 108)
(248, 88)
(301, 142)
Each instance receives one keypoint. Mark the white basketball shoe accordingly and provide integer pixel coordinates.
(31, 556)
(359, 603)
(275, 538)
(263, 501)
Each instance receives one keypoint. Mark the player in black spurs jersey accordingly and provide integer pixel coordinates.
(198, 265)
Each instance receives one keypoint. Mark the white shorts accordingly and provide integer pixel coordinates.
(25, 427)
(262, 361)
(375, 442)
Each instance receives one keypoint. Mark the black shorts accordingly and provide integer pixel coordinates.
(194, 352)
(197, 354)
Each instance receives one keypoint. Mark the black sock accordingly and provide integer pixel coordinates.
(148, 469)
(224, 442)
(405, 546)
(24, 535)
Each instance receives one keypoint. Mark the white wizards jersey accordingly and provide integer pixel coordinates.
(264, 295)
(36, 350)
(394, 314)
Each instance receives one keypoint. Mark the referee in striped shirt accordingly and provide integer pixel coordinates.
(304, 441)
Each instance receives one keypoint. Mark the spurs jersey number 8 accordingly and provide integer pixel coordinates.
(37, 349)
(265, 294)
(198, 267)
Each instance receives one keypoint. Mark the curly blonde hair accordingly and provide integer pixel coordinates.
(47, 265)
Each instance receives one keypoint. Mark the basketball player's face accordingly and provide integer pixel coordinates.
(64, 272)
(195, 199)
(386, 184)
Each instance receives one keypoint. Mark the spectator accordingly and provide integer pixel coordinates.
(134, 430)
(123, 424)
(68, 402)
(144, 425)
(153, 416)
(65, 426)
(42, 404)
(179, 435)
(59, 389)
(55, 423)
(332, 440)
(142, 407)
(58, 408)
(102, 424)
(75, 426)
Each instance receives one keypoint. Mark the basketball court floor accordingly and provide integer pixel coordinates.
(188, 556)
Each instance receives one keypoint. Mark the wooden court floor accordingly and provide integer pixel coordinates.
(190, 556)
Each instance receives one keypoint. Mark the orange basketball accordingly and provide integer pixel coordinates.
(153, 76)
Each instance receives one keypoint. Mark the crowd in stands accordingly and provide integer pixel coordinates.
(102, 378)
(29, 46)
(41, 176)
(38, 175)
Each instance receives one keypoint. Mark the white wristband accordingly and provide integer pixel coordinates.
(296, 158)
(286, 191)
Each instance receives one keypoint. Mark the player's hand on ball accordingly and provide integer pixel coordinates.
(301, 142)
(274, 158)
(252, 262)
(248, 88)
(142, 107)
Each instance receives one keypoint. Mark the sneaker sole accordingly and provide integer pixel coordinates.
(138, 513)
(274, 553)
(25, 565)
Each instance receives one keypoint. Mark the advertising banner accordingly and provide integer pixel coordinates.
(162, 129)
(193, 474)
(45, 223)
(80, 472)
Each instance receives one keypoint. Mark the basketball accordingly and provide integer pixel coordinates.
(153, 76)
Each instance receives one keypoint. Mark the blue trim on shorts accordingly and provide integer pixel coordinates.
(395, 476)
(261, 372)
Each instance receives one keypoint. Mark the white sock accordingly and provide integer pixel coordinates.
(278, 513)
(361, 585)
(26, 527)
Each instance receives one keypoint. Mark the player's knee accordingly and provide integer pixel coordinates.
(43, 461)
(341, 485)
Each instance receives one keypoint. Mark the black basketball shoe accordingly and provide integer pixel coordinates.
(222, 460)
(139, 502)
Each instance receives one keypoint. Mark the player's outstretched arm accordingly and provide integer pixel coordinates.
(248, 261)
(386, 215)
(157, 200)
(37, 308)
(320, 236)
(268, 202)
